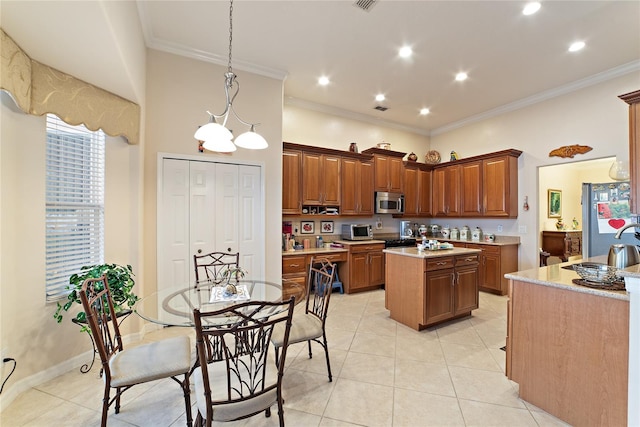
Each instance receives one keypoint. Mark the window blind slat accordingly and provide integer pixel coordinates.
(75, 172)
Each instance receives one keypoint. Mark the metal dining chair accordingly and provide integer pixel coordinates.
(122, 369)
(243, 383)
(309, 324)
(211, 266)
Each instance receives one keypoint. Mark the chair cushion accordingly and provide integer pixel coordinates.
(304, 327)
(218, 382)
(153, 361)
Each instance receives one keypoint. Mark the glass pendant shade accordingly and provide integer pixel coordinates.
(251, 140)
(212, 131)
(619, 171)
(220, 145)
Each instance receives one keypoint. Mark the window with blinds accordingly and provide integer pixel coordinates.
(74, 202)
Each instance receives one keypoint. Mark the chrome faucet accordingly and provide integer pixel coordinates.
(619, 233)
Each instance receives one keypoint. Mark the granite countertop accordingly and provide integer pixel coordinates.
(414, 252)
(633, 271)
(359, 242)
(557, 277)
(314, 251)
(500, 241)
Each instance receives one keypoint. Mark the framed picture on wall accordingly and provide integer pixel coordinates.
(554, 203)
(307, 227)
(326, 226)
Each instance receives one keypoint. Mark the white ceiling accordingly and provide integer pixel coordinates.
(512, 60)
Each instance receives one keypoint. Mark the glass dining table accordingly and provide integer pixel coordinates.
(174, 307)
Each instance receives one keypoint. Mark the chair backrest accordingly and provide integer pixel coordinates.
(244, 346)
(101, 317)
(322, 273)
(211, 266)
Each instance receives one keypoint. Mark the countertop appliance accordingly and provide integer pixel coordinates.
(357, 232)
(389, 203)
(406, 230)
(605, 209)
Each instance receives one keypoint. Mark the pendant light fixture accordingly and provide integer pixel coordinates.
(216, 136)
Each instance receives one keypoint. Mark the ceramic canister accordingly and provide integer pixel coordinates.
(476, 234)
(489, 237)
(465, 233)
(445, 233)
(455, 233)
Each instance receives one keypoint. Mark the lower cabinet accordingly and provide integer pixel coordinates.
(364, 269)
(495, 262)
(295, 268)
(423, 292)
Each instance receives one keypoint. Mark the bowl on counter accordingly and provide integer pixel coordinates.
(593, 272)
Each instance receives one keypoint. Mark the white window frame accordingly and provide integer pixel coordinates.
(74, 198)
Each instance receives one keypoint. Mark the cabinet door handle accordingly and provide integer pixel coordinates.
(294, 265)
(441, 263)
(469, 259)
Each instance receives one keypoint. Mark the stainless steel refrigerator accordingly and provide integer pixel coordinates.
(605, 209)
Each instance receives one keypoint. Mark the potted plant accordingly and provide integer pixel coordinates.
(230, 273)
(120, 283)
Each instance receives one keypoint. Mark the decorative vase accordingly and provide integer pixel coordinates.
(353, 147)
(412, 157)
(559, 224)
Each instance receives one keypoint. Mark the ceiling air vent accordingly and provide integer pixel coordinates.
(365, 5)
(380, 108)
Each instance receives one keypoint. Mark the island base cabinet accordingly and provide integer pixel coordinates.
(424, 292)
(568, 351)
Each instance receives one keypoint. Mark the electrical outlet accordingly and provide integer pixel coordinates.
(522, 229)
(379, 224)
(500, 228)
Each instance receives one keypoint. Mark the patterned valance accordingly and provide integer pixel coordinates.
(38, 89)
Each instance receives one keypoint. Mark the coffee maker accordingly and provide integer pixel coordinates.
(406, 230)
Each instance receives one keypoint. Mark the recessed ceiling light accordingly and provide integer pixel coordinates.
(405, 52)
(380, 97)
(424, 111)
(531, 8)
(460, 77)
(576, 46)
(323, 81)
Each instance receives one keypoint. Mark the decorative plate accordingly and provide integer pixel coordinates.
(432, 157)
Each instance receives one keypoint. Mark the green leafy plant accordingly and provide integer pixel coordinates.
(236, 273)
(120, 279)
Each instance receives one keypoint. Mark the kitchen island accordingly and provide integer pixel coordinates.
(424, 288)
(568, 346)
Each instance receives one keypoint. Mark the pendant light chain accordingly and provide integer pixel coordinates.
(229, 69)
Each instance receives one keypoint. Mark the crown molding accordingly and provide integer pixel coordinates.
(610, 74)
(308, 105)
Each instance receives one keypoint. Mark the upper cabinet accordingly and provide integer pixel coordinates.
(633, 99)
(480, 186)
(320, 179)
(291, 182)
(356, 187)
(417, 189)
(388, 170)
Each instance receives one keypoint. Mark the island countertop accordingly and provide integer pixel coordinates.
(414, 252)
(556, 276)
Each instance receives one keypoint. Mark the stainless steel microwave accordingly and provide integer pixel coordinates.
(391, 203)
(357, 231)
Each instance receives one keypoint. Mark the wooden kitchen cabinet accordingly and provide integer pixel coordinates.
(446, 191)
(633, 99)
(471, 191)
(294, 273)
(484, 186)
(356, 187)
(320, 179)
(364, 269)
(495, 261)
(417, 190)
(500, 186)
(291, 182)
(424, 292)
(388, 170)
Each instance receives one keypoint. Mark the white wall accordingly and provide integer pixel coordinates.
(593, 116)
(180, 91)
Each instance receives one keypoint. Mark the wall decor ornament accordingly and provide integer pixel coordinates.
(570, 151)
(326, 226)
(554, 203)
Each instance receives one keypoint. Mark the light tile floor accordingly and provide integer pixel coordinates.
(384, 374)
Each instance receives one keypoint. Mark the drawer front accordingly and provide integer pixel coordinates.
(439, 263)
(467, 260)
(337, 257)
(294, 264)
(366, 248)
